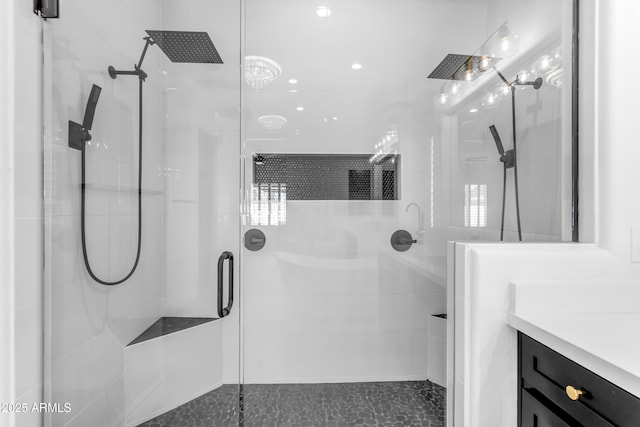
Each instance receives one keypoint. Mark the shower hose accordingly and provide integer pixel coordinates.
(515, 173)
(515, 159)
(83, 202)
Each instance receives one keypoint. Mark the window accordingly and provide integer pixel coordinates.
(475, 205)
(269, 204)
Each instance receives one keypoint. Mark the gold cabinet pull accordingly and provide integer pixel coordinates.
(574, 393)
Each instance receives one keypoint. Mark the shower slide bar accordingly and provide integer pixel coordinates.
(224, 311)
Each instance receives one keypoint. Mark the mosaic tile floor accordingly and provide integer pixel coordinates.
(407, 403)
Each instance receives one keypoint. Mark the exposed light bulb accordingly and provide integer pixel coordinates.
(442, 99)
(293, 81)
(468, 75)
(557, 52)
(485, 63)
(356, 66)
(323, 11)
(505, 44)
(300, 108)
(454, 89)
(545, 62)
(523, 76)
(490, 100)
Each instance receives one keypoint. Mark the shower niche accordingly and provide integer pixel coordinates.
(329, 176)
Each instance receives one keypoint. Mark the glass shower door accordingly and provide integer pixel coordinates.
(160, 178)
(342, 275)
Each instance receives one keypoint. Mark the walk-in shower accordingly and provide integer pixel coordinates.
(251, 227)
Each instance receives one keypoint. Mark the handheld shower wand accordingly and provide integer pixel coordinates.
(508, 160)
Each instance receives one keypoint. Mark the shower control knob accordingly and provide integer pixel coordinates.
(402, 240)
(254, 239)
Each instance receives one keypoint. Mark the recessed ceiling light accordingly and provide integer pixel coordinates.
(300, 108)
(293, 90)
(293, 81)
(335, 118)
(272, 121)
(356, 66)
(473, 110)
(323, 11)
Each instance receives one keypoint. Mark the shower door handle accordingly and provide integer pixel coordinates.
(224, 311)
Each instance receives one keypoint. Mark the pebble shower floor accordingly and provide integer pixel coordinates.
(406, 403)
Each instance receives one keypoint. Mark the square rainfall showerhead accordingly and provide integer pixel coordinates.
(450, 66)
(186, 46)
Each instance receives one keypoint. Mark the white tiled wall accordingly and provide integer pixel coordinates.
(202, 170)
(618, 210)
(309, 293)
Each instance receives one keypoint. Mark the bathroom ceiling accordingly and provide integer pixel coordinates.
(397, 42)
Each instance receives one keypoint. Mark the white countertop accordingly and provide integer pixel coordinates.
(588, 328)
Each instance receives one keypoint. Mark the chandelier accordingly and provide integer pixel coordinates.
(260, 71)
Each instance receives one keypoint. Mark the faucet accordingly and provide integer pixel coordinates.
(420, 217)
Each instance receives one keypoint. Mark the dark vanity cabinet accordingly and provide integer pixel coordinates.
(556, 392)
